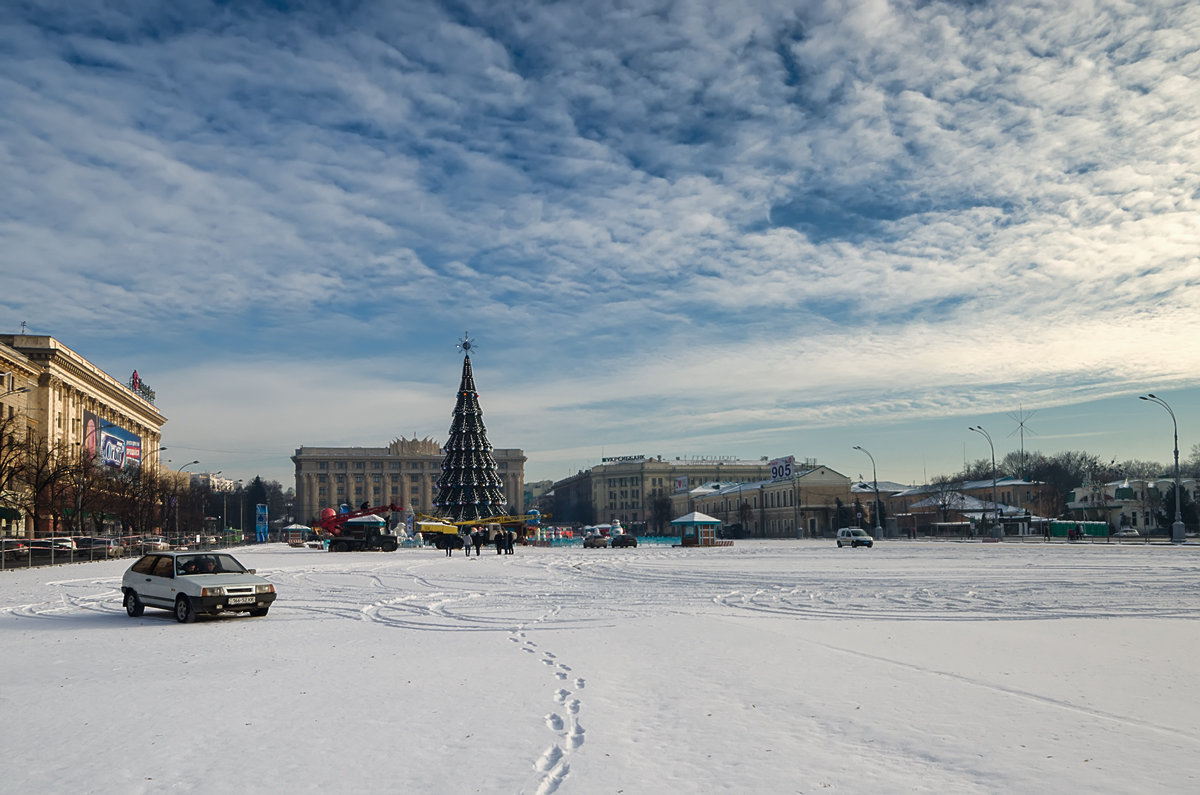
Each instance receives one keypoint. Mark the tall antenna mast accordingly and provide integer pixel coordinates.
(1021, 418)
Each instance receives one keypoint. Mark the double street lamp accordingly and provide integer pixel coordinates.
(1177, 529)
(998, 530)
(875, 480)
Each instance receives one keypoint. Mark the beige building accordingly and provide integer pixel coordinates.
(404, 473)
(628, 487)
(53, 392)
(802, 505)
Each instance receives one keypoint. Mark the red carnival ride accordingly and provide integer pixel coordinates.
(346, 535)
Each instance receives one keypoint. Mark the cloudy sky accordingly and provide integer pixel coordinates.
(748, 228)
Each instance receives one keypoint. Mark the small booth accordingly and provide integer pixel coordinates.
(699, 530)
(294, 534)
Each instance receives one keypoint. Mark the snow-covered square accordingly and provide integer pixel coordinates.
(765, 667)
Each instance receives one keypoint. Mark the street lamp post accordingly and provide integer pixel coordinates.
(875, 480)
(207, 494)
(1177, 529)
(998, 530)
(188, 464)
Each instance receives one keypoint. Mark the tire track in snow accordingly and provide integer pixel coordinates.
(1011, 691)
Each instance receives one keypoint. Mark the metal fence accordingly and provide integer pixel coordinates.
(20, 553)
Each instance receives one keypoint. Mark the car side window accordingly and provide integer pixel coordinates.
(145, 565)
(164, 567)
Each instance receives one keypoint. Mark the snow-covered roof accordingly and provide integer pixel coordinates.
(885, 486)
(695, 517)
(367, 519)
(965, 485)
(966, 504)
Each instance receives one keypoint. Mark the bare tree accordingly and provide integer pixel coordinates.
(12, 436)
(660, 512)
(980, 469)
(136, 497)
(946, 495)
(1140, 470)
(40, 478)
(86, 486)
(745, 513)
(1191, 467)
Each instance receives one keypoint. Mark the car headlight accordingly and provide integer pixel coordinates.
(217, 591)
(268, 588)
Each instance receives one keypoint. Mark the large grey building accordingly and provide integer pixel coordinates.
(404, 473)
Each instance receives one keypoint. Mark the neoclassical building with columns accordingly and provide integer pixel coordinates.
(51, 391)
(405, 473)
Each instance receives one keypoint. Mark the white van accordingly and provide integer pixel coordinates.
(854, 537)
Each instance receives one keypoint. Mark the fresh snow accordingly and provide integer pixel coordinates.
(765, 667)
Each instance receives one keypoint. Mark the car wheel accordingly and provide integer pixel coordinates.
(259, 612)
(133, 605)
(184, 613)
(839, 545)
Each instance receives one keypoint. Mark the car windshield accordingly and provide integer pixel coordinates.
(859, 533)
(207, 564)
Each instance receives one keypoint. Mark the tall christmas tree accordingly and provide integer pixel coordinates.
(469, 487)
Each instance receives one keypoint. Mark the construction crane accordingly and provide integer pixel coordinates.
(331, 521)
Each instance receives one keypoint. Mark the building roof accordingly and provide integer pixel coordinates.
(967, 485)
(966, 504)
(885, 486)
(695, 517)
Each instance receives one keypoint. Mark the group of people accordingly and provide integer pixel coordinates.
(478, 537)
(502, 539)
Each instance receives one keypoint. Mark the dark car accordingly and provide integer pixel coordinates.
(14, 549)
(624, 540)
(96, 546)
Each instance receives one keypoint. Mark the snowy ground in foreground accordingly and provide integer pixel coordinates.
(767, 667)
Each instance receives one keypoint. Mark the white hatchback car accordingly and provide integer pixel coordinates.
(195, 583)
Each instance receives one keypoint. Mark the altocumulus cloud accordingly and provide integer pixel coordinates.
(948, 198)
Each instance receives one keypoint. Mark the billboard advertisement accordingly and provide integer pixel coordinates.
(783, 468)
(260, 523)
(111, 443)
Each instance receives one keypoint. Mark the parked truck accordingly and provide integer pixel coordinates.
(363, 529)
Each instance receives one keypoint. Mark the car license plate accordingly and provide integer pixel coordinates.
(241, 600)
